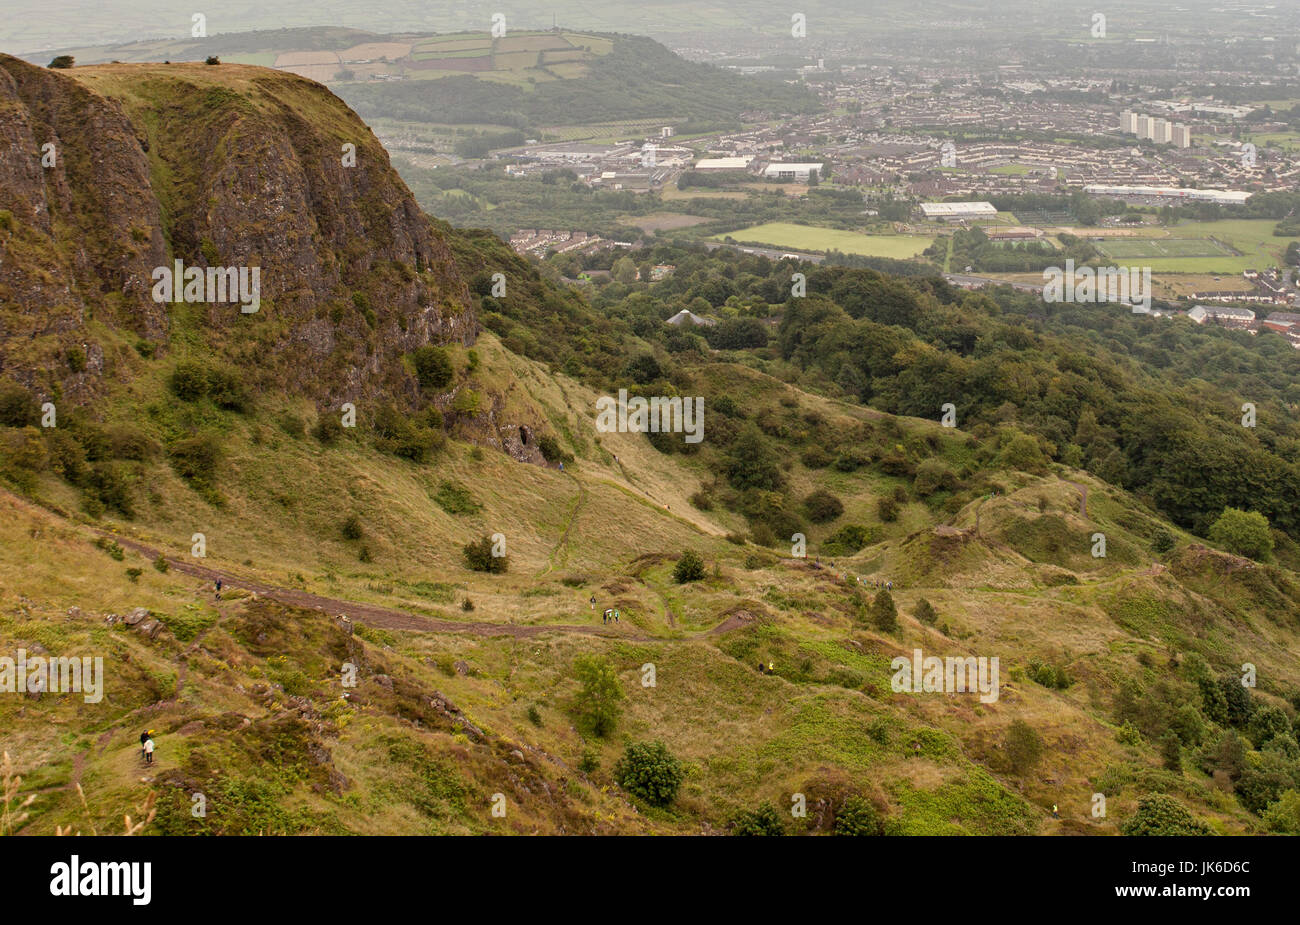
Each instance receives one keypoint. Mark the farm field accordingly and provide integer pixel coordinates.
(809, 238)
(661, 221)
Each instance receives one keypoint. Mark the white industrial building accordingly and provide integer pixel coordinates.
(1219, 196)
(791, 171)
(957, 211)
(723, 163)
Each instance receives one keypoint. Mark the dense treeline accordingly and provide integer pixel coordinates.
(1150, 404)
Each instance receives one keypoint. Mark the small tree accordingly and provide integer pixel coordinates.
(765, 820)
(887, 509)
(822, 506)
(884, 615)
(351, 528)
(479, 557)
(650, 772)
(599, 700)
(63, 61)
(1162, 542)
(1245, 533)
(212, 59)
(858, 817)
(1024, 747)
(432, 367)
(1171, 752)
(925, 612)
(690, 567)
(1163, 815)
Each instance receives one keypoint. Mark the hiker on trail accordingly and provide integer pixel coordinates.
(593, 602)
(561, 467)
(148, 751)
(218, 589)
(616, 616)
(144, 737)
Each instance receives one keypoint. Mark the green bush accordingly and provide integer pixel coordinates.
(857, 816)
(351, 528)
(433, 367)
(478, 556)
(552, 450)
(1244, 533)
(189, 380)
(17, 407)
(455, 498)
(887, 510)
(598, 705)
(765, 820)
(884, 614)
(848, 540)
(328, 428)
(648, 771)
(1162, 542)
(925, 612)
(1162, 815)
(195, 459)
(1024, 747)
(690, 567)
(822, 507)
(933, 475)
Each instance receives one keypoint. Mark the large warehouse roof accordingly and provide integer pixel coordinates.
(954, 209)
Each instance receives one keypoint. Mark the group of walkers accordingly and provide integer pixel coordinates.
(609, 616)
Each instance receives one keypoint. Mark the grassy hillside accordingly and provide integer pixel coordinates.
(348, 551)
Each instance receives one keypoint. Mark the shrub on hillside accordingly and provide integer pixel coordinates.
(351, 528)
(551, 449)
(598, 705)
(1047, 675)
(195, 459)
(816, 458)
(1023, 747)
(328, 428)
(925, 612)
(1162, 542)
(764, 820)
(17, 407)
(1244, 533)
(1163, 815)
(933, 475)
(884, 614)
(479, 557)
(455, 498)
(649, 771)
(848, 540)
(433, 367)
(690, 567)
(857, 816)
(887, 510)
(822, 507)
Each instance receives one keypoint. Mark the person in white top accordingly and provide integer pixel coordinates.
(148, 751)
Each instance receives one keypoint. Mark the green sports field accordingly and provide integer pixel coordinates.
(808, 238)
(1227, 246)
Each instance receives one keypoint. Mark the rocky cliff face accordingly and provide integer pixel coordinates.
(109, 172)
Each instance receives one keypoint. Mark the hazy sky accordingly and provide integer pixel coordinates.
(27, 27)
